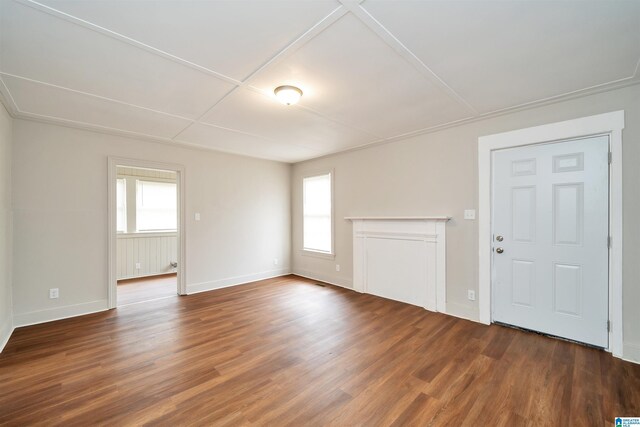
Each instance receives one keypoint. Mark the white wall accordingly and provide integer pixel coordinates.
(436, 174)
(6, 313)
(60, 217)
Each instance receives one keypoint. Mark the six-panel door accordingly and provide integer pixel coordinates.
(550, 230)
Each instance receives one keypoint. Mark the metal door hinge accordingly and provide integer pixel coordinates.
(610, 157)
(608, 325)
(609, 242)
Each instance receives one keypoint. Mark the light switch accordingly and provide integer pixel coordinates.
(470, 214)
(197, 216)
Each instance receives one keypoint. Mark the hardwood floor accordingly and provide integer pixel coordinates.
(147, 288)
(287, 352)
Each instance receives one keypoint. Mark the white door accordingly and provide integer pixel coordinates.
(550, 238)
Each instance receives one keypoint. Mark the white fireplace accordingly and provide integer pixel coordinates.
(401, 258)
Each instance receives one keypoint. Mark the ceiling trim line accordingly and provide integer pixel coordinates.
(7, 99)
(191, 121)
(144, 137)
(385, 35)
(312, 111)
(128, 40)
(336, 121)
(605, 87)
(253, 135)
(88, 126)
(92, 95)
(628, 82)
(578, 93)
(264, 138)
(106, 130)
(298, 43)
(284, 53)
(197, 119)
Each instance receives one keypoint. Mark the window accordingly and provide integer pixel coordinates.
(121, 205)
(156, 206)
(317, 218)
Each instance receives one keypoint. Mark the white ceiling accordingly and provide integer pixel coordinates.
(203, 73)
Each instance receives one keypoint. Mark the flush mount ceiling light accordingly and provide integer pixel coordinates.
(288, 95)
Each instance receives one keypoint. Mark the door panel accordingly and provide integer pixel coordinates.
(550, 208)
(524, 214)
(568, 211)
(522, 282)
(567, 286)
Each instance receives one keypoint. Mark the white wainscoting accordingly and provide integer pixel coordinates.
(154, 252)
(401, 258)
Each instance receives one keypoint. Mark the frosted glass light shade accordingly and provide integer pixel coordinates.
(288, 95)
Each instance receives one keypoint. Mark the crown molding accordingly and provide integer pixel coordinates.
(7, 100)
(17, 114)
(71, 124)
(607, 87)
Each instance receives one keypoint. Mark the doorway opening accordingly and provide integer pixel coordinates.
(146, 229)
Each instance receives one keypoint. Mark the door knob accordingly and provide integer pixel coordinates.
(499, 250)
(499, 238)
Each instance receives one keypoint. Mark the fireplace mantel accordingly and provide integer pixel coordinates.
(401, 258)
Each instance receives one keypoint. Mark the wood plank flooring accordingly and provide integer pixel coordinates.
(287, 352)
(147, 288)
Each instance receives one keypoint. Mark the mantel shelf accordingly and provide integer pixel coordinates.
(409, 218)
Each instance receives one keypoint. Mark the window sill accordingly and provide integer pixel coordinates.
(318, 254)
(147, 234)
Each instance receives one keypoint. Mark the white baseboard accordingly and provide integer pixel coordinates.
(166, 273)
(234, 281)
(631, 353)
(343, 283)
(49, 315)
(6, 329)
(462, 311)
(452, 309)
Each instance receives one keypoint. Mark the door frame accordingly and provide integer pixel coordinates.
(610, 124)
(113, 163)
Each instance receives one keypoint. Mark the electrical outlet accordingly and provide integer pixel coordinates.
(471, 295)
(337, 267)
(275, 261)
(470, 214)
(138, 266)
(54, 293)
(197, 216)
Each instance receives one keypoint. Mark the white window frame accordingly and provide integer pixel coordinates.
(126, 207)
(148, 179)
(131, 202)
(311, 252)
(610, 124)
